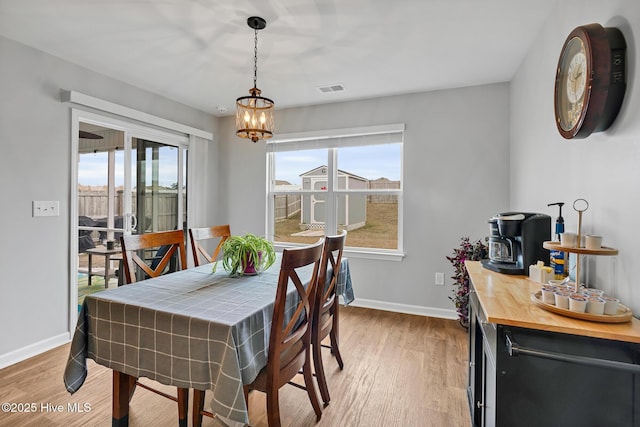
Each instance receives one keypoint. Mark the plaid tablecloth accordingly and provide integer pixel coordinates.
(192, 329)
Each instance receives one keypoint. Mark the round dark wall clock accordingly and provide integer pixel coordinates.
(590, 80)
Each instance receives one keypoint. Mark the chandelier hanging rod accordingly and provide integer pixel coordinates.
(254, 113)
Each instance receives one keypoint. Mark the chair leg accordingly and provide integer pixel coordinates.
(273, 408)
(133, 382)
(183, 406)
(335, 335)
(198, 405)
(319, 368)
(334, 347)
(311, 389)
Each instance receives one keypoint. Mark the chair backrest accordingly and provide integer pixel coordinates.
(168, 242)
(328, 277)
(196, 235)
(290, 338)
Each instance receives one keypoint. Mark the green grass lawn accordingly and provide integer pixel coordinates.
(380, 230)
(97, 285)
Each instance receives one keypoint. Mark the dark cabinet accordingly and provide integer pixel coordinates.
(488, 404)
(475, 365)
(530, 378)
(481, 390)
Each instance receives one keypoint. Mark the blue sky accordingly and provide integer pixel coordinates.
(92, 169)
(371, 162)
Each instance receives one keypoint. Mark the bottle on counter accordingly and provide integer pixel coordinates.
(559, 260)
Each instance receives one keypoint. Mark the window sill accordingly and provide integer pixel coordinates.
(379, 255)
(357, 253)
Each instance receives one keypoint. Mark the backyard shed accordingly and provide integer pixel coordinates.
(352, 208)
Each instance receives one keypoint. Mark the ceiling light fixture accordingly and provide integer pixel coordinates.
(254, 114)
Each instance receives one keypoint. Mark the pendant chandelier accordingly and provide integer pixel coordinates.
(254, 113)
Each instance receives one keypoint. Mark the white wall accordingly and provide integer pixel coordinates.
(455, 178)
(35, 165)
(604, 169)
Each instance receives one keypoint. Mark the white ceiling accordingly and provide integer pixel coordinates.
(200, 52)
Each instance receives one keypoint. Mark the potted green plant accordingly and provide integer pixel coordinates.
(247, 255)
(466, 251)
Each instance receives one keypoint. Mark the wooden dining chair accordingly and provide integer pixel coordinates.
(290, 339)
(197, 235)
(165, 244)
(326, 309)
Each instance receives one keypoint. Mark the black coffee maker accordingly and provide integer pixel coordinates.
(515, 241)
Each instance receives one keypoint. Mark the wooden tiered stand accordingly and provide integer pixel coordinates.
(556, 246)
(624, 313)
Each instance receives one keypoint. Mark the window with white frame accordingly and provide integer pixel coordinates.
(320, 183)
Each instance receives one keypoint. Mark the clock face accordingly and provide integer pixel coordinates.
(571, 84)
(577, 77)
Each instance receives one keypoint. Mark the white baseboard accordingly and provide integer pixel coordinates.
(405, 308)
(34, 349)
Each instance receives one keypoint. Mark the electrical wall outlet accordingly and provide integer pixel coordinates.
(440, 279)
(46, 208)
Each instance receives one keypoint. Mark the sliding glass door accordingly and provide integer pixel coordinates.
(129, 180)
(99, 192)
(158, 173)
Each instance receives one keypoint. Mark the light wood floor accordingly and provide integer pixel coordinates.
(400, 370)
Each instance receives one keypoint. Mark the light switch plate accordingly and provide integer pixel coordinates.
(46, 208)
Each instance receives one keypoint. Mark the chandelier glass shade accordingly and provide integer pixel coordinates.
(254, 113)
(254, 116)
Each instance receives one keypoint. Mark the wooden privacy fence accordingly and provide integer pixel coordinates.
(95, 205)
(383, 184)
(286, 206)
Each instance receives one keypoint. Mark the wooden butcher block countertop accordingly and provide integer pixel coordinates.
(506, 300)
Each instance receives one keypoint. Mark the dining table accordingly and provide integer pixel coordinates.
(196, 328)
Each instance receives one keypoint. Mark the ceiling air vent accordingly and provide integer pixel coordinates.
(331, 88)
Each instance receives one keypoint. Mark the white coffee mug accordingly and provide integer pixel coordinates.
(593, 241)
(568, 239)
(610, 305)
